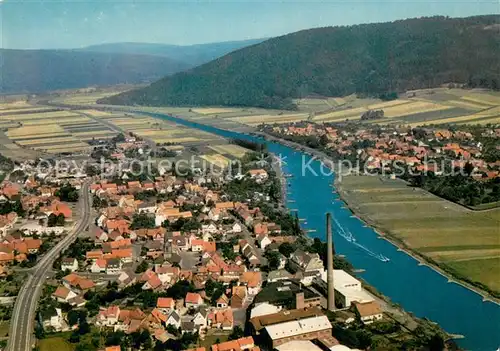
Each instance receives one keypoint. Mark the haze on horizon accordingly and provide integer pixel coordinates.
(30, 24)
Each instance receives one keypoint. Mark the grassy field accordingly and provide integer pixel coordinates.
(464, 240)
(54, 344)
(4, 328)
(213, 339)
(212, 110)
(254, 120)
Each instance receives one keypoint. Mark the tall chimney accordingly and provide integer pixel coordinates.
(329, 247)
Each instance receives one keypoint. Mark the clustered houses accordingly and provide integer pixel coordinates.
(380, 147)
(15, 247)
(72, 290)
(173, 234)
(36, 201)
(130, 231)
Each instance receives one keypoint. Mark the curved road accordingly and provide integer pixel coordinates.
(23, 315)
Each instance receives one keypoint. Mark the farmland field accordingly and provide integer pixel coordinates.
(427, 106)
(51, 131)
(230, 149)
(212, 110)
(451, 235)
(217, 160)
(270, 119)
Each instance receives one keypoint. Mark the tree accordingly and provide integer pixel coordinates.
(60, 220)
(84, 327)
(180, 289)
(236, 333)
(85, 346)
(142, 267)
(52, 220)
(436, 343)
(142, 220)
(73, 317)
(286, 249)
(67, 193)
(172, 330)
(39, 332)
(273, 260)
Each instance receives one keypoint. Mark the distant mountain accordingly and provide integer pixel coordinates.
(193, 55)
(368, 59)
(43, 70)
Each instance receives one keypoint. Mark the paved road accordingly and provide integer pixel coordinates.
(23, 315)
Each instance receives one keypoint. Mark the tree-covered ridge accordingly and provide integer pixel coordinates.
(368, 59)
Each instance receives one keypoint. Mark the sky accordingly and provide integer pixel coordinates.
(47, 24)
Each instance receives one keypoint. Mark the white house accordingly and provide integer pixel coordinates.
(53, 319)
(70, 264)
(98, 266)
(174, 319)
(209, 228)
(113, 266)
(32, 228)
(63, 294)
(200, 318)
(108, 316)
(263, 241)
(236, 227)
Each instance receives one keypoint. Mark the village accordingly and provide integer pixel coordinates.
(378, 147)
(177, 263)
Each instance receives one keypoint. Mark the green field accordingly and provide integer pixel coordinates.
(213, 339)
(484, 269)
(53, 344)
(4, 329)
(453, 236)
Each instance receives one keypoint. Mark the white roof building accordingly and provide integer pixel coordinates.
(293, 328)
(263, 309)
(348, 287)
(342, 348)
(342, 279)
(298, 345)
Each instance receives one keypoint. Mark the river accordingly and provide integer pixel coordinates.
(418, 289)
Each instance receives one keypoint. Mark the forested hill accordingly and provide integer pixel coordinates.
(368, 59)
(34, 71)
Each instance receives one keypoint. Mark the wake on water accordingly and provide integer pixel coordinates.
(347, 235)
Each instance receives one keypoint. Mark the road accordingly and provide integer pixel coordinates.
(23, 315)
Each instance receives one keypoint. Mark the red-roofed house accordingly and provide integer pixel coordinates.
(193, 300)
(165, 304)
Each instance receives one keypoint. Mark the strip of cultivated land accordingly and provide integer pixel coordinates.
(460, 240)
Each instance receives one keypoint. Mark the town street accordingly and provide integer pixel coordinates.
(23, 315)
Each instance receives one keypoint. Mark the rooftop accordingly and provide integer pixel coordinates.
(260, 322)
(302, 326)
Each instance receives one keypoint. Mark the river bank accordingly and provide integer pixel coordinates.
(280, 176)
(422, 259)
(382, 232)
